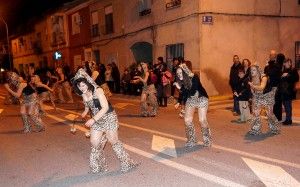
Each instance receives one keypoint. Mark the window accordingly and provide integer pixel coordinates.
(109, 24)
(297, 54)
(95, 24)
(76, 22)
(144, 7)
(174, 51)
(172, 4)
(96, 54)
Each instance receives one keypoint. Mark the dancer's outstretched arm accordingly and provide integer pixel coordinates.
(19, 91)
(104, 107)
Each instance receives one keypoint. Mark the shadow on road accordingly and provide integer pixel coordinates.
(12, 132)
(251, 138)
(130, 115)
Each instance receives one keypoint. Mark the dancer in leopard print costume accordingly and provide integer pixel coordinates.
(263, 97)
(104, 120)
(28, 101)
(194, 96)
(148, 95)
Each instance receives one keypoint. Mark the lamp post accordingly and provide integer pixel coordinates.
(7, 39)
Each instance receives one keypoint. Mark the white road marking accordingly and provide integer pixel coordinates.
(47, 107)
(271, 175)
(180, 167)
(242, 153)
(164, 145)
(183, 168)
(71, 117)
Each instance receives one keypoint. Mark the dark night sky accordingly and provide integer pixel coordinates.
(19, 12)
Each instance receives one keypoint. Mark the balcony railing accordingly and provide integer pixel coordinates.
(173, 4)
(145, 12)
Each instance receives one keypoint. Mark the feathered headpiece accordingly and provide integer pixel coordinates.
(82, 74)
(186, 70)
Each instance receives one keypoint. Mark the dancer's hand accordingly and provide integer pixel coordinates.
(90, 122)
(177, 105)
(6, 85)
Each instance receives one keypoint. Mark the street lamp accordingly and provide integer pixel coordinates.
(7, 39)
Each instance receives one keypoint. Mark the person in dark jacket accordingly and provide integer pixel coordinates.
(287, 92)
(233, 81)
(274, 71)
(243, 94)
(116, 77)
(195, 97)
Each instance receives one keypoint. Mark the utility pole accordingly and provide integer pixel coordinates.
(7, 39)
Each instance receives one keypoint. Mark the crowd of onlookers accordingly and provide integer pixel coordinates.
(279, 70)
(281, 75)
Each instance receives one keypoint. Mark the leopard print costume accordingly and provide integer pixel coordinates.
(151, 99)
(108, 122)
(196, 102)
(260, 101)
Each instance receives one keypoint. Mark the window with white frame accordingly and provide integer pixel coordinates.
(95, 24)
(109, 23)
(144, 7)
(76, 22)
(172, 4)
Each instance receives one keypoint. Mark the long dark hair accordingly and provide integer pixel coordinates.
(76, 82)
(87, 68)
(186, 82)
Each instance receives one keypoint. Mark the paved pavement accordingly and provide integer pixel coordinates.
(58, 158)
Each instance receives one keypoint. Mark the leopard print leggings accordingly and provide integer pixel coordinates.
(259, 102)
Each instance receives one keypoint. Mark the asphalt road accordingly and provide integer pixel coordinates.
(56, 157)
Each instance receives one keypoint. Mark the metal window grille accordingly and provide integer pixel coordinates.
(174, 51)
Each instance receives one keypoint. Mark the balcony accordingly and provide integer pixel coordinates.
(173, 4)
(145, 12)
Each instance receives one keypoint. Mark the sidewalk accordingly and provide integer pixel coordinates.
(216, 100)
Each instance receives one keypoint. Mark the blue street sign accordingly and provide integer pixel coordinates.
(207, 20)
(57, 55)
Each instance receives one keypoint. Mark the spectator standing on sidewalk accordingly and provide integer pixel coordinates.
(273, 70)
(116, 77)
(108, 77)
(243, 94)
(233, 81)
(157, 69)
(166, 82)
(125, 82)
(288, 93)
(246, 65)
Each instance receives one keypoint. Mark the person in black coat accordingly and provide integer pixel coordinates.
(287, 92)
(233, 81)
(274, 71)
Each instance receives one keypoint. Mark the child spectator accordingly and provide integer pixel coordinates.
(243, 94)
